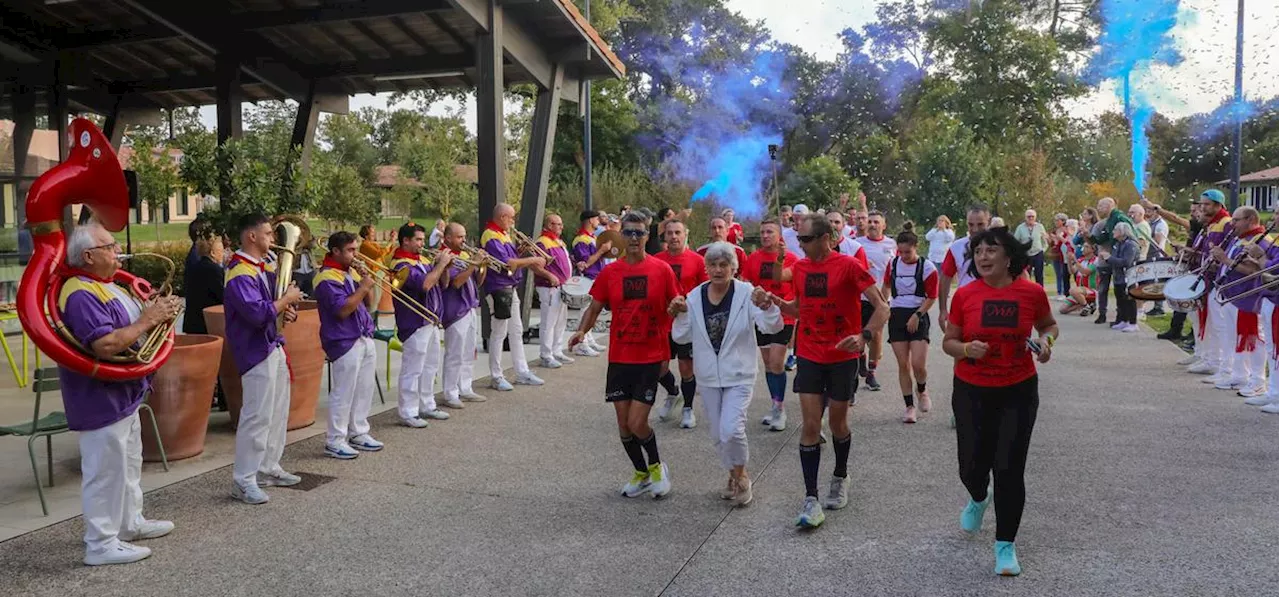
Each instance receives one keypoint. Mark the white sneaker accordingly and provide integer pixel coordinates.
(148, 529)
(1130, 328)
(473, 397)
(687, 420)
(501, 384)
(365, 442)
(664, 411)
(1191, 360)
(779, 422)
(528, 379)
(1212, 379)
(550, 363)
(278, 478)
(1257, 401)
(249, 495)
(436, 414)
(1201, 368)
(340, 450)
(583, 350)
(659, 481)
(122, 553)
(415, 423)
(563, 358)
(1273, 408)
(453, 403)
(1257, 391)
(1228, 384)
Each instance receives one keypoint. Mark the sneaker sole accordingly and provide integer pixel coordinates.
(367, 448)
(339, 456)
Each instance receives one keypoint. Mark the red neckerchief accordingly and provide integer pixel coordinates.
(551, 235)
(457, 252)
(329, 262)
(403, 254)
(238, 258)
(1256, 230)
(72, 271)
(495, 227)
(1222, 213)
(590, 233)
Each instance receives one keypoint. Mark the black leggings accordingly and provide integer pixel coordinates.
(993, 432)
(1126, 306)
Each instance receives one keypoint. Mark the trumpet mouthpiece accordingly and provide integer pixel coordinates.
(124, 256)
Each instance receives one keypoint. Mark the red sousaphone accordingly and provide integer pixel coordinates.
(90, 175)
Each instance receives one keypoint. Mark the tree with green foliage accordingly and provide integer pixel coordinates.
(817, 182)
(158, 178)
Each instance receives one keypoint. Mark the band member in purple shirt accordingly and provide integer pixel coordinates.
(504, 301)
(106, 320)
(258, 349)
(344, 296)
(459, 299)
(588, 260)
(547, 282)
(421, 338)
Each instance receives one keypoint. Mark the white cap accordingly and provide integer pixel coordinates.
(800, 208)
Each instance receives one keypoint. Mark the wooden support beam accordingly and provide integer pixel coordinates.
(491, 162)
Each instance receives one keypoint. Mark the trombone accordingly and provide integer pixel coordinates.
(1269, 282)
(393, 282)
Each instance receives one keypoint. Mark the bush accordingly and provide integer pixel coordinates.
(155, 270)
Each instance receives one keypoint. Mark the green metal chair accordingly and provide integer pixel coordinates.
(54, 423)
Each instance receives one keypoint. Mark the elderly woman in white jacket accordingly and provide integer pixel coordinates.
(718, 317)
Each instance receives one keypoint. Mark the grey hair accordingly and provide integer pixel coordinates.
(81, 240)
(632, 217)
(721, 251)
(1061, 216)
(1125, 228)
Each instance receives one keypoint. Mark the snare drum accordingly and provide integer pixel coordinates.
(1185, 293)
(1146, 281)
(576, 292)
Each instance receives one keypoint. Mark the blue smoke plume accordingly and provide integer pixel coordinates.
(1136, 35)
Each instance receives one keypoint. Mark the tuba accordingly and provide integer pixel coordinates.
(91, 175)
(291, 232)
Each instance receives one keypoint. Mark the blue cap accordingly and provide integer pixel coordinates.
(1215, 196)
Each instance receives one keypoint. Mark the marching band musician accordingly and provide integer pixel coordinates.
(1213, 323)
(547, 282)
(459, 299)
(421, 338)
(1265, 258)
(589, 260)
(504, 301)
(344, 298)
(258, 349)
(106, 320)
(1245, 369)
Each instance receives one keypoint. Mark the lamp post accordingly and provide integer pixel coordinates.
(586, 132)
(1237, 108)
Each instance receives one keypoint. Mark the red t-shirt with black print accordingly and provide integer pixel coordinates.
(829, 292)
(638, 296)
(1004, 318)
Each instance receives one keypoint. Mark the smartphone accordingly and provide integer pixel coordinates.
(1033, 345)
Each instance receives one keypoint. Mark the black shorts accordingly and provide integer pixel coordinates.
(626, 381)
(684, 352)
(867, 312)
(835, 381)
(898, 317)
(782, 338)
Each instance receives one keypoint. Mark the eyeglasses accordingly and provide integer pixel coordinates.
(115, 246)
(632, 233)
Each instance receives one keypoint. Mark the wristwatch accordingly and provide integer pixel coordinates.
(867, 335)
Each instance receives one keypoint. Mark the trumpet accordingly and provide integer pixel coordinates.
(527, 245)
(483, 260)
(393, 282)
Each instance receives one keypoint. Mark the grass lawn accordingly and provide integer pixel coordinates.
(150, 233)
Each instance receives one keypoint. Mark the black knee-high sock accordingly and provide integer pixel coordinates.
(650, 446)
(841, 446)
(909, 399)
(810, 457)
(687, 388)
(668, 382)
(920, 387)
(632, 446)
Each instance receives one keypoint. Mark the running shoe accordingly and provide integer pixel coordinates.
(436, 414)
(668, 405)
(564, 358)
(473, 397)
(415, 423)
(249, 495)
(791, 362)
(528, 379)
(923, 400)
(501, 384)
(366, 443)
(1252, 392)
(872, 384)
(1271, 409)
(1007, 559)
(1201, 368)
(1259, 400)
(550, 363)
(744, 492)
(687, 420)
(278, 478)
(659, 480)
(1228, 384)
(729, 490)
(778, 418)
(1190, 360)
(453, 403)
(638, 484)
(909, 416)
(583, 350)
(838, 496)
(811, 515)
(340, 450)
(971, 516)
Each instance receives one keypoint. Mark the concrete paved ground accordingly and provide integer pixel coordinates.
(1141, 482)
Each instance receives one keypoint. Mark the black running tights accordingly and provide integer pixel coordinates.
(993, 432)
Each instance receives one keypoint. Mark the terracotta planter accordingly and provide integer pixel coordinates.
(182, 391)
(306, 360)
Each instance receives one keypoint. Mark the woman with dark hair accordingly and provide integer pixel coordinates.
(996, 390)
(911, 287)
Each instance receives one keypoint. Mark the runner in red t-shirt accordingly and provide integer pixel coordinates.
(637, 289)
(830, 338)
(996, 392)
(691, 270)
(769, 267)
(719, 231)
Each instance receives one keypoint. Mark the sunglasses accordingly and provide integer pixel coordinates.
(807, 238)
(632, 233)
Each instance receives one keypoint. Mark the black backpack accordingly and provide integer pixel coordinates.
(893, 275)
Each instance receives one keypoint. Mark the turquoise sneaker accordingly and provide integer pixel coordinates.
(971, 516)
(1007, 559)
(811, 516)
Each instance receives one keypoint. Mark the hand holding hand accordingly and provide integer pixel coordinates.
(760, 298)
(678, 305)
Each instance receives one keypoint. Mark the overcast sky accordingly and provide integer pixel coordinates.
(1205, 35)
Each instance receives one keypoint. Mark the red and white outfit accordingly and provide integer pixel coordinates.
(956, 265)
(879, 252)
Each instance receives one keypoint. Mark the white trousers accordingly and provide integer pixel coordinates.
(725, 410)
(1244, 367)
(111, 490)
(418, 369)
(459, 356)
(351, 395)
(1269, 352)
(511, 330)
(551, 330)
(264, 418)
(1219, 326)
